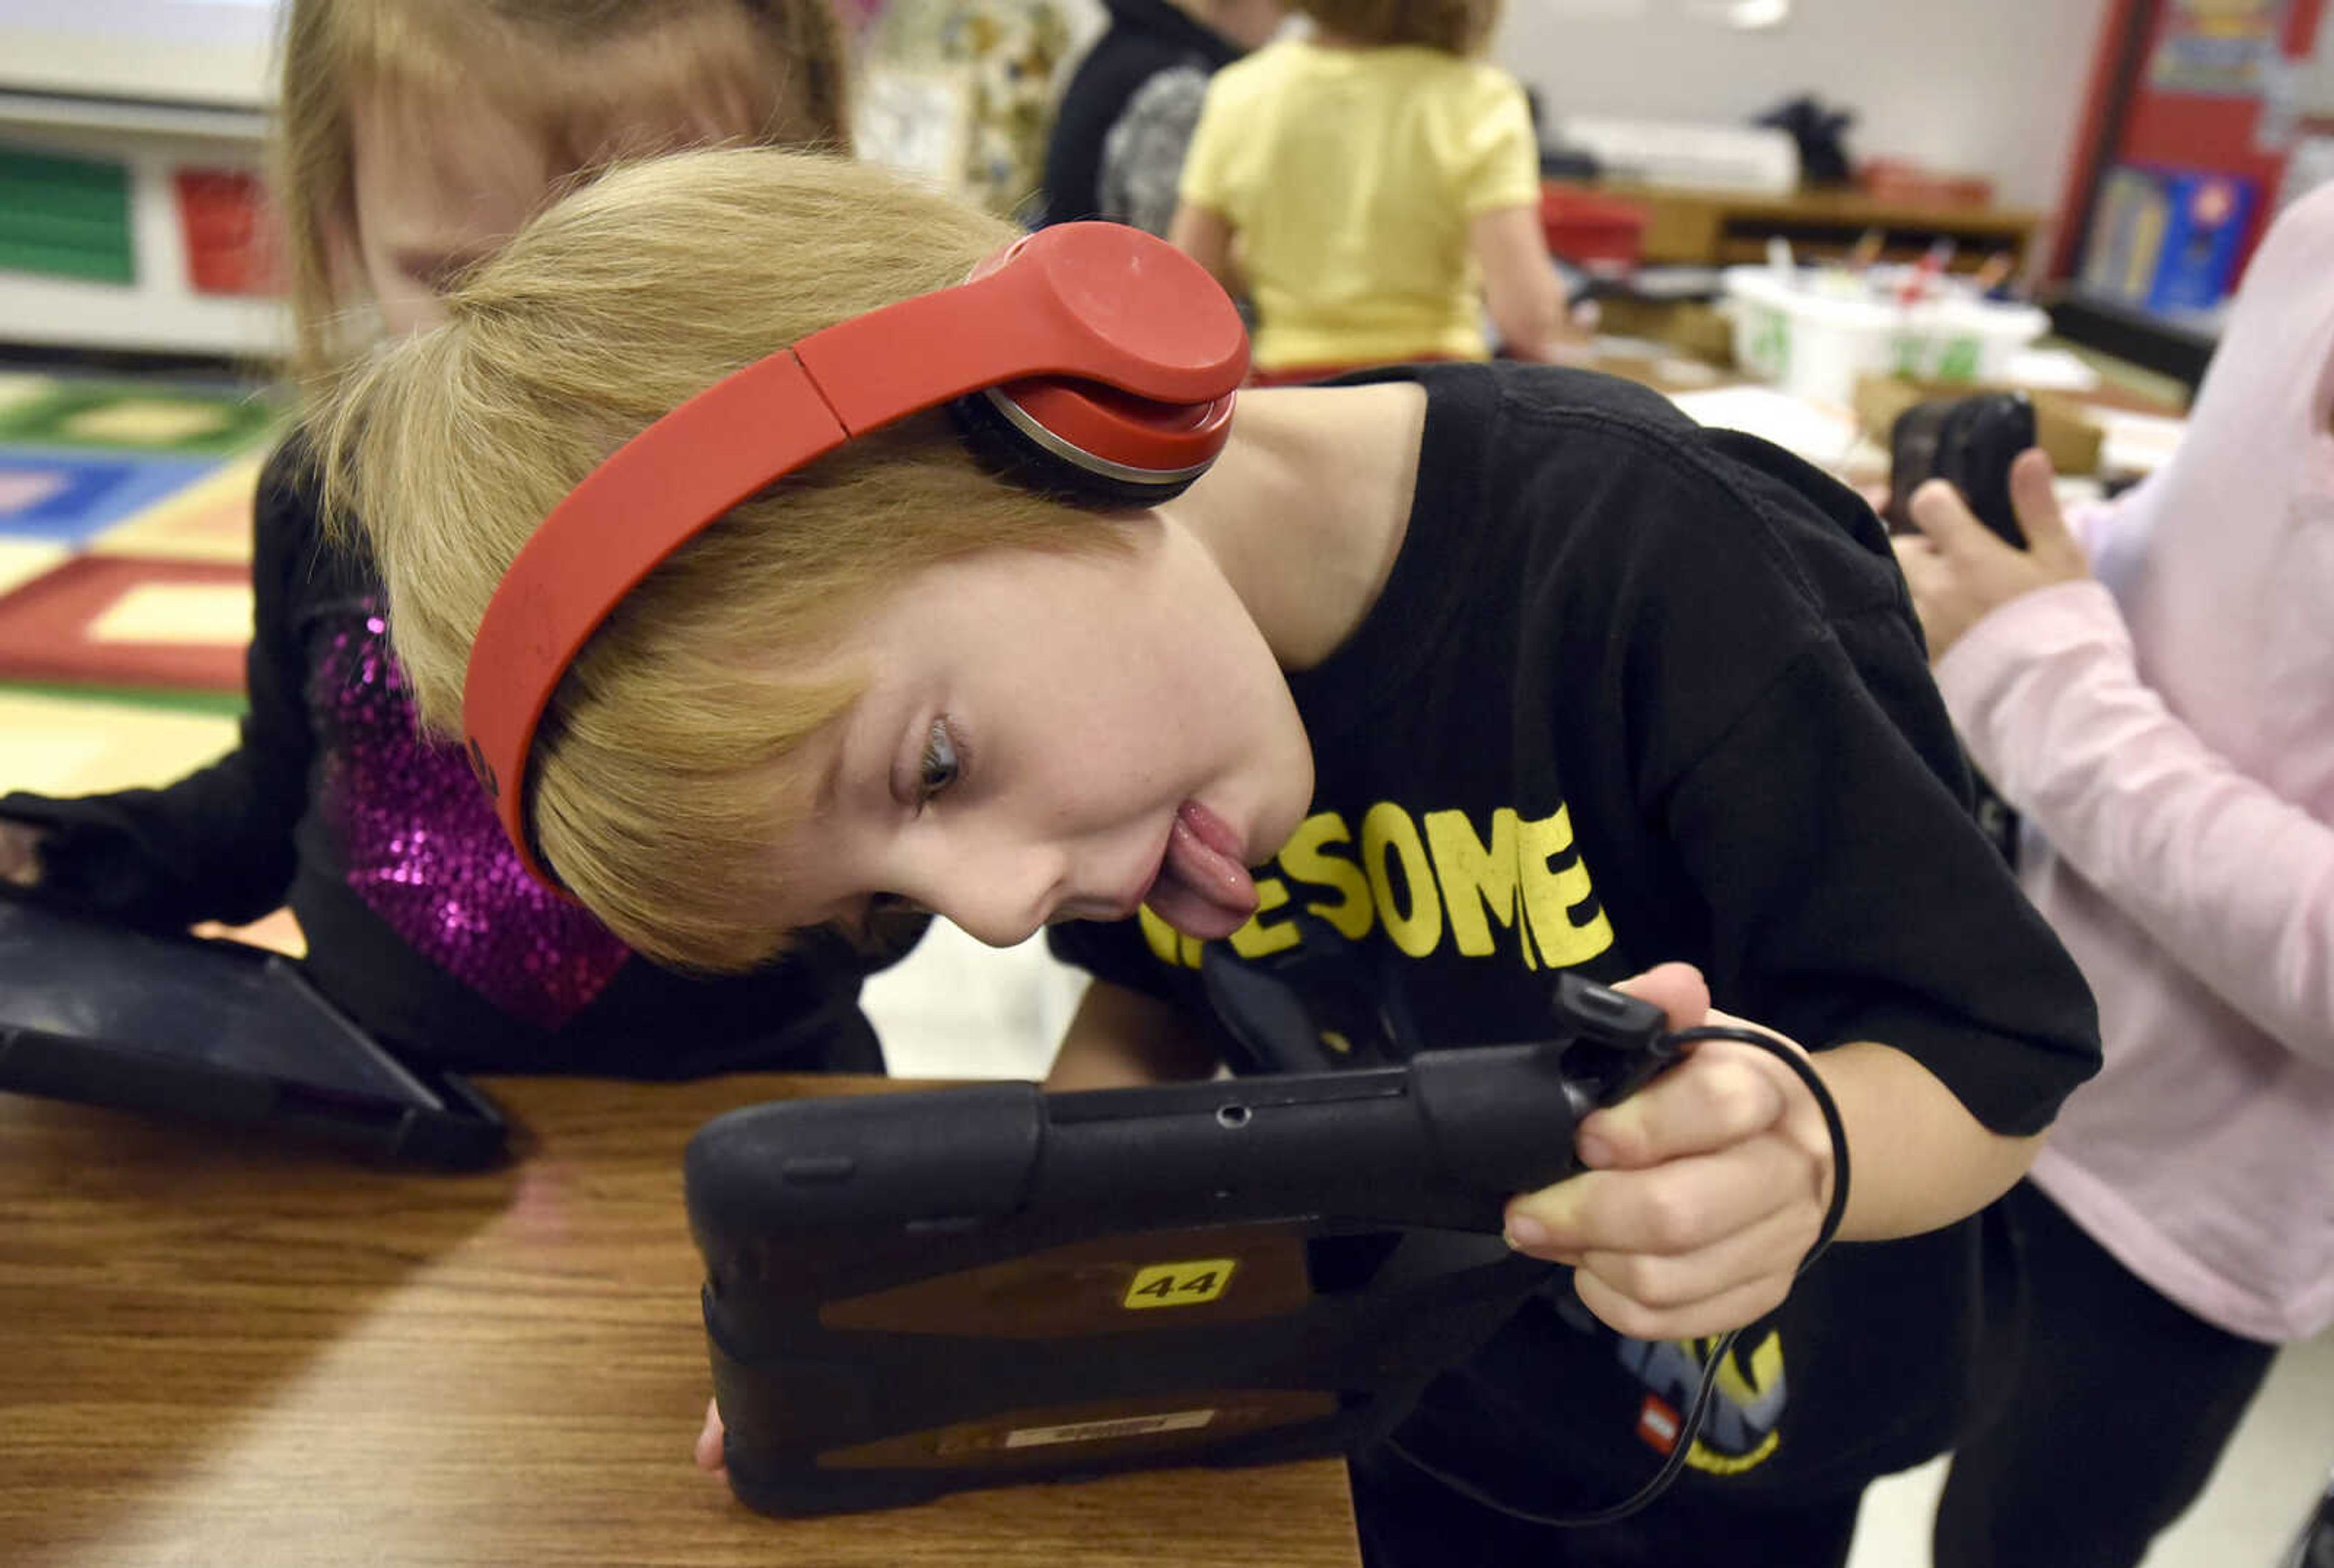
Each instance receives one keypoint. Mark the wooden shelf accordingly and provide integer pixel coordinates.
(1721, 228)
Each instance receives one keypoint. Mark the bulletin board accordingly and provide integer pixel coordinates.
(2235, 87)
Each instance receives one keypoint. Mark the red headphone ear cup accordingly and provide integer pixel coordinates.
(1090, 444)
(1002, 449)
(1087, 440)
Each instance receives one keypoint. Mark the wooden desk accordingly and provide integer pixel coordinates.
(231, 1358)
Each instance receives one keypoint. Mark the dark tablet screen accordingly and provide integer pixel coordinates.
(221, 1007)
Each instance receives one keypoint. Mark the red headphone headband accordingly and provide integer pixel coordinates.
(1090, 303)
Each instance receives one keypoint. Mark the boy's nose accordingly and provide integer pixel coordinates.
(998, 926)
(999, 899)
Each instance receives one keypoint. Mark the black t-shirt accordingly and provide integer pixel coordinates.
(1146, 37)
(1638, 691)
(420, 925)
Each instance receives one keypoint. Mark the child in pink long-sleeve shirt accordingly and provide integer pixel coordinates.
(2154, 689)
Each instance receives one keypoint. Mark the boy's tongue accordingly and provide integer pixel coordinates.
(1202, 890)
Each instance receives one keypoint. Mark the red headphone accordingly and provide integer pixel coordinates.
(1090, 361)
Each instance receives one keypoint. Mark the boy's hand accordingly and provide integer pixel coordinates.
(1704, 1189)
(1960, 572)
(20, 854)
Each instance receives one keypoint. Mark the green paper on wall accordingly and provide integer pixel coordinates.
(65, 216)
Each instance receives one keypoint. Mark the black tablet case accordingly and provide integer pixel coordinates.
(216, 1031)
(913, 1294)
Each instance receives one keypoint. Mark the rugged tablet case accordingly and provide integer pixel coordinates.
(93, 1051)
(913, 1294)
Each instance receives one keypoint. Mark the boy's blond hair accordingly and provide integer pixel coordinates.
(662, 788)
(771, 71)
(1453, 26)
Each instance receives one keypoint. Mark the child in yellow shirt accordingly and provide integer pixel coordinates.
(1373, 189)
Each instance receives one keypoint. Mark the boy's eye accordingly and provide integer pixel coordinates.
(940, 766)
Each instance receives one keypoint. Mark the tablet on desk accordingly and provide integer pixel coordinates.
(218, 1032)
(913, 1293)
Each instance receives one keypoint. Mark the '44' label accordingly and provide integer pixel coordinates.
(1167, 1285)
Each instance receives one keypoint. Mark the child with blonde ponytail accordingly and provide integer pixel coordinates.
(415, 136)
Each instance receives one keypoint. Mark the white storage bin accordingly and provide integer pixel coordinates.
(1814, 342)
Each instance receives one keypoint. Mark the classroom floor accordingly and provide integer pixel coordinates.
(124, 508)
(125, 535)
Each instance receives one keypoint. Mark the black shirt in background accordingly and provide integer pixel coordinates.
(1144, 38)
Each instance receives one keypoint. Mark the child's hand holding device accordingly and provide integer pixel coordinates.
(1702, 1193)
(1959, 570)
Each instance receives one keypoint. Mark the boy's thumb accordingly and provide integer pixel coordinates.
(1677, 989)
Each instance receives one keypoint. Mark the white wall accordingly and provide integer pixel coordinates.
(214, 52)
(1989, 87)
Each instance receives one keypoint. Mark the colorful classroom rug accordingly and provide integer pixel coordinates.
(209, 520)
(72, 497)
(116, 620)
(58, 746)
(21, 560)
(125, 582)
(125, 531)
(136, 417)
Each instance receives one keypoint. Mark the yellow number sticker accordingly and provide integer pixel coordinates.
(1168, 1284)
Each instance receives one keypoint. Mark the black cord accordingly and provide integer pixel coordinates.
(1801, 1068)
(1691, 1431)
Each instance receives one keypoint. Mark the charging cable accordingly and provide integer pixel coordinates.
(1671, 1043)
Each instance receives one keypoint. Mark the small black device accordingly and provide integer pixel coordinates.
(913, 1294)
(1969, 441)
(218, 1032)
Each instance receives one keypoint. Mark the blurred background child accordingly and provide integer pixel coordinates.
(1373, 189)
(415, 136)
(1125, 119)
(2173, 757)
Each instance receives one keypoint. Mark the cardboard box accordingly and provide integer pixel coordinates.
(1691, 327)
(2061, 425)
